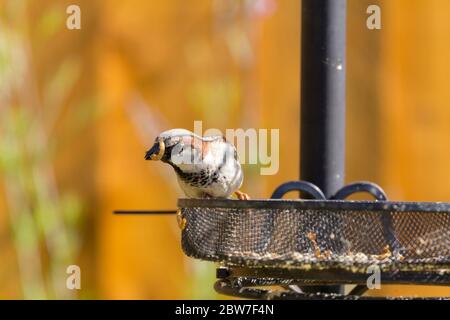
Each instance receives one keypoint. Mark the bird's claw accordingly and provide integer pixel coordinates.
(241, 195)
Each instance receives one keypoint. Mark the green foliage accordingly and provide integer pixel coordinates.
(44, 217)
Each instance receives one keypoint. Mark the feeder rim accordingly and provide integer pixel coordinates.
(354, 205)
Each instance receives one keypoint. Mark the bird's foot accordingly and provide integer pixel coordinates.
(241, 195)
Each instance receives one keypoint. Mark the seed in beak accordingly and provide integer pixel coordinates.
(156, 152)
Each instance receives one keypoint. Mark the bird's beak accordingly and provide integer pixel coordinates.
(156, 152)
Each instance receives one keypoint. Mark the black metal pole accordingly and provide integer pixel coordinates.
(323, 93)
(323, 64)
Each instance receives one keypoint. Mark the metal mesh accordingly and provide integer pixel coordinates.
(315, 234)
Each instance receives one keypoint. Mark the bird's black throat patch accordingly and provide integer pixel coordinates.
(202, 178)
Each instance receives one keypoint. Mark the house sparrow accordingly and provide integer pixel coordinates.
(206, 167)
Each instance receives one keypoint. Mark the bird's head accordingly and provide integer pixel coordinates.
(178, 147)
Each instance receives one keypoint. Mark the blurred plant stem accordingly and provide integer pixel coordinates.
(38, 210)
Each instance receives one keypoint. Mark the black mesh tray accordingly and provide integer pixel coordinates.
(307, 235)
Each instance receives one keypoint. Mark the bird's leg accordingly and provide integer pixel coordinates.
(241, 195)
(206, 196)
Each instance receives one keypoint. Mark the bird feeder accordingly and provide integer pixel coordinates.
(311, 247)
(315, 244)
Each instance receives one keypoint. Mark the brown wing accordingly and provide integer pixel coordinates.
(202, 144)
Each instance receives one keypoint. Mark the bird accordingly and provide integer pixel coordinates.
(206, 167)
